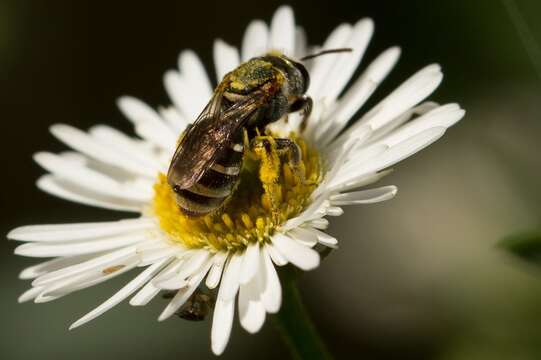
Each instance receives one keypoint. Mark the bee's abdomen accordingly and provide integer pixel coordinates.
(214, 187)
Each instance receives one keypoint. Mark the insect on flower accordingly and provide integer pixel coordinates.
(206, 166)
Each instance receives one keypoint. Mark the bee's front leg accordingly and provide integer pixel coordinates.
(304, 103)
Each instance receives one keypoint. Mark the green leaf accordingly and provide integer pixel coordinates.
(526, 246)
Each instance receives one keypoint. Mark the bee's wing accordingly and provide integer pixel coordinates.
(212, 132)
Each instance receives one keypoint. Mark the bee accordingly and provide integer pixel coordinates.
(206, 165)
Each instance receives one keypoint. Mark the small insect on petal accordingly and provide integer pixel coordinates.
(112, 269)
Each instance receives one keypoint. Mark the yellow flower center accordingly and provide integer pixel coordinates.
(272, 189)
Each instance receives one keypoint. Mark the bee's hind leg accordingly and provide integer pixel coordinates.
(304, 103)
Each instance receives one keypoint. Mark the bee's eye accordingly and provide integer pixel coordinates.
(177, 189)
(305, 75)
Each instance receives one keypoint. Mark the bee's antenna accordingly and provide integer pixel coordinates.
(324, 52)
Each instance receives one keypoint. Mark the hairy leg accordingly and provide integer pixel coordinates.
(270, 151)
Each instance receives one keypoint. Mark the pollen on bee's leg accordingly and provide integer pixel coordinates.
(288, 175)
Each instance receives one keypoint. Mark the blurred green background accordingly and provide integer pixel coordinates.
(418, 277)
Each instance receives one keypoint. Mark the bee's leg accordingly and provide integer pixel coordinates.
(265, 149)
(304, 103)
(292, 150)
(282, 146)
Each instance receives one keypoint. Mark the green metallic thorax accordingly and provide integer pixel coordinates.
(250, 76)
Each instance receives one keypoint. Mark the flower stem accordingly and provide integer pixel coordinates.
(295, 325)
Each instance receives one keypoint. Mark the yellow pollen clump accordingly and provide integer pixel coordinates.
(271, 190)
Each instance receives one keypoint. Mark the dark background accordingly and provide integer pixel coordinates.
(415, 278)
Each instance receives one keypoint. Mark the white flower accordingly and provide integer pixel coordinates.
(111, 170)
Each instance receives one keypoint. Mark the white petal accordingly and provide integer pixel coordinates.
(361, 181)
(98, 262)
(251, 309)
(122, 294)
(334, 211)
(133, 148)
(79, 231)
(30, 294)
(444, 116)
(275, 255)
(322, 65)
(360, 157)
(84, 143)
(85, 280)
(183, 294)
(72, 192)
(410, 93)
(321, 223)
(226, 58)
(271, 294)
(230, 281)
(185, 100)
(174, 118)
(79, 247)
(145, 295)
(325, 239)
(282, 31)
(303, 236)
(299, 255)
(315, 210)
(148, 123)
(222, 321)
(358, 93)
(150, 256)
(402, 119)
(89, 179)
(149, 291)
(194, 262)
(301, 43)
(370, 196)
(61, 287)
(215, 273)
(193, 71)
(346, 63)
(255, 40)
(396, 153)
(170, 271)
(250, 262)
(45, 267)
(340, 154)
(187, 269)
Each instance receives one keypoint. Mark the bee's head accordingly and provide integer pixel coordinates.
(296, 72)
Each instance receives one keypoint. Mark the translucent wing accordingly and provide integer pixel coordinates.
(209, 135)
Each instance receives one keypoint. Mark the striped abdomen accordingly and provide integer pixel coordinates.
(215, 185)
